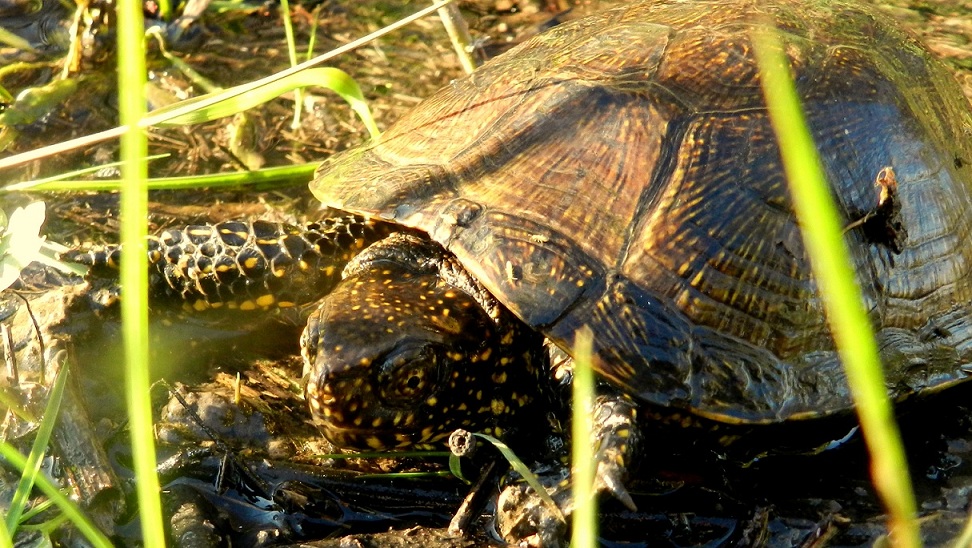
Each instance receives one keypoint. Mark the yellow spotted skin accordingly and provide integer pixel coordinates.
(247, 265)
(406, 349)
(402, 352)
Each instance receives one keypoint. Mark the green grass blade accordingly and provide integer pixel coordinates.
(455, 468)
(584, 518)
(405, 475)
(524, 471)
(6, 537)
(47, 527)
(41, 441)
(296, 174)
(197, 79)
(165, 10)
(134, 272)
(37, 509)
(230, 101)
(38, 184)
(91, 533)
(822, 235)
(312, 33)
(292, 55)
(14, 41)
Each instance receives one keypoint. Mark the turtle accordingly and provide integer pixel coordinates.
(619, 174)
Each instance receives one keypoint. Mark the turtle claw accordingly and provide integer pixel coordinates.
(610, 482)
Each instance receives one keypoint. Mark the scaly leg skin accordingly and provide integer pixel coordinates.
(616, 436)
(245, 265)
(524, 519)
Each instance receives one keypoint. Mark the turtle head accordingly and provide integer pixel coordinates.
(397, 357)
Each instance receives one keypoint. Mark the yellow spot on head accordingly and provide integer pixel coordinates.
(374, 443)
(444, 323)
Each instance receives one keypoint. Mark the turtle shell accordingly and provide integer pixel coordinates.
(620, 172)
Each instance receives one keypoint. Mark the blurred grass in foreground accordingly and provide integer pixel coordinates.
(583, 459)
(134, 270)
(823, 237)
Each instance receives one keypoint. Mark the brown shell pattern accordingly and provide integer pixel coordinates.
(620, 172)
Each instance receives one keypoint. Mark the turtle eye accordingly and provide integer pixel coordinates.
(408, 374)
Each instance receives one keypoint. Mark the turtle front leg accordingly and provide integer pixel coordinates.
(524, 519)
(616, 438)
